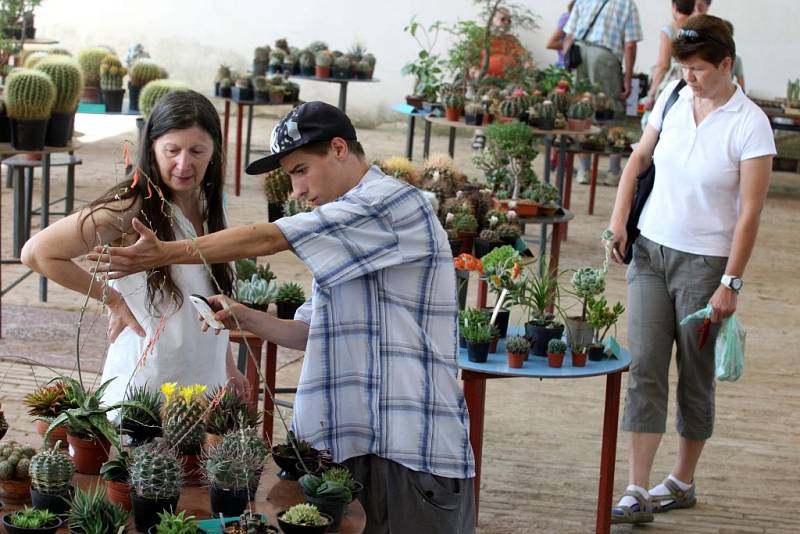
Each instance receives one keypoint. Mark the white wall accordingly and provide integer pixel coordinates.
(191, 37)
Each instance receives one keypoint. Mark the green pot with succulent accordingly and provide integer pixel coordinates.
(67, 78)
(90, 60)
(277, 189)
(538, 294)
(184, 421)
(155, 477)
(287, 455)
(15, 481)
(141, 418)
(227, 412)
(255, 293)
(116, 473)
(517, 348)
(154, 90)
(29, 96)
(555, 352)
(90, 512)
(329, 496)
(47, 402)
(303, 519)
(51, 472)
(111, 74)
(602, 317)
(32, 521)
(289, 298)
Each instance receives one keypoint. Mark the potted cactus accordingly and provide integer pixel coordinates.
(286, 456)
(111, 74)
(223, 73)
(555, 352)
(116, 473)
(276, 61)
(290, 64)
(277, 188)
(232, 469)
(255, 293)
(329, 496)
(290, 296)
(578, 351)
(577, 114)
(322, 64)
(143, 71)
(292, 91)
(370, 59)
(225, 87)
(250, 523)
(486, 241)
(453, 103)
(51, 473)
(587, 283)
(155, 476)
(67, 78)
(90, 60)
(260, 61)
(29, 95)
(242, 90)
(260, 89)
(547, 115)
(341, 67)
(466, 225)
(276, 90)
(473, 113)
(361, 70)
(171, 523)
(90, 511)
(46, 403)
(517, 348)
(183, 415)
(227, 412)
(303, 519)
(509, 233)
(154, 90)
(32, 521)
(141, 418)
(15, 482)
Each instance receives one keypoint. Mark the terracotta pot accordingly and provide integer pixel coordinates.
(493, 345)
(212, 440)
(91, 94)
(578, 359)
(120, 493)
(576, 125)
(467, 241)
(555, 359)
(15, 491)
(526, 208)
(88, 454)
(452, 114)
(192, 469)
(59, 433)
(415, 101)
(515, 361)
(505, 120)
(487, 118)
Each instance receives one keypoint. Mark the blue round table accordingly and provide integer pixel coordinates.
(475, 375)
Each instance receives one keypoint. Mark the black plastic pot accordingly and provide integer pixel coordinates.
(333, 508)
(501, 323)
(462, 341)
(540, 336)
(361, 75)
(113, 100)
(59, 129)
(340, 73)
(274, 211)
(288, 464)
(216, 88)
(288, 528)
(597, 353)
(241, 93)
(260, 96)
(455, 247)
(473, 120)
(478, 352)
(225, 92)
(58, 504)
(307, 71)
(291, 68)
(145, 511)
(483, 246)
(546, 124)
(228, 503)
(28, 134)
(11, 529)
(133, 95)
(286, 310)
(5, 129)
(140, 434)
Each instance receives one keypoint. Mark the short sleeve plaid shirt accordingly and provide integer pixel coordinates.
(616, 25)
(379, 374)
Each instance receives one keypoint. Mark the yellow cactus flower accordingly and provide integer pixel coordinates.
(189, 392)
(168, 389)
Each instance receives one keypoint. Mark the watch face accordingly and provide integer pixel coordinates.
(736, 284)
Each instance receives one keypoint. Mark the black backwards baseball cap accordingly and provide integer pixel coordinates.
(307, 123)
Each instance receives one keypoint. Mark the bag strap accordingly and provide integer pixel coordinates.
(672, 99)
(591, 24)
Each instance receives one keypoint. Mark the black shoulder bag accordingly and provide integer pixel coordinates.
(644, 184)
(573, 59)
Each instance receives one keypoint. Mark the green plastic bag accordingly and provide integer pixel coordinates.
(729, 347)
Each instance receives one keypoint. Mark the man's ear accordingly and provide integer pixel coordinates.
(339, 148)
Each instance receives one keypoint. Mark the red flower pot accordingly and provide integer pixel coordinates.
(515, 361)
(120, 493)
(88, 454)
(452, 114)
(555, 359)
(578, 359)
(59, 433)
(192, 469)
(15, 491)
(322, 72)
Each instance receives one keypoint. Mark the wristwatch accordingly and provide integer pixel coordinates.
(733, 282)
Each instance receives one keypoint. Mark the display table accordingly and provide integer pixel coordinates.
(412, 113)
(595, 153)
(273, 496)
(474, 376)
(342, 85)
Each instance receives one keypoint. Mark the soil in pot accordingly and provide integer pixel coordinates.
(28, 134)
(120, 493)
(288, 528)
(49, 529)
(145, 511)
(515, 361)
(58, 504)
(555, 359)
(113, 99)
(578, 359)
(228, 503)
(597, 353)
(88, 454)
(478, 352)
(59, 129)
(540, 336)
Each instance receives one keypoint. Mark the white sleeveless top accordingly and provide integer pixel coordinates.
(181, 352)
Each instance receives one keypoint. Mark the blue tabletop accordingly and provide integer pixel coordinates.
(409, 110)
(536, 366)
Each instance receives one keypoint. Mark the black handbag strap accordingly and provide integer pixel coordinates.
(672, 99)
(591, 24)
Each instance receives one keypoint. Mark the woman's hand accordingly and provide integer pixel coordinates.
(724, 303)
(229, 312)
(649, 102)
(120, 316)
(618, 242)
(148, 252)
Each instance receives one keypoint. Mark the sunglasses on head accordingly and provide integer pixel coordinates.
(506, 20)
(694, 36)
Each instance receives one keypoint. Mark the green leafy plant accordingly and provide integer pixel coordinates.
(118, 468)
(428, 68)
(464, 222)
(32, 518)
(143, 410)
(294, 447)
(538, 293)
(478, 332)
(176, 523)
(602, 316)
(229, 412)
(246, 268)
(512, 144)
(303, 514)
(587, 283)
(91, 513)
(328, 490)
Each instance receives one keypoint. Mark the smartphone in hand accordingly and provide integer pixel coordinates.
(204, 309)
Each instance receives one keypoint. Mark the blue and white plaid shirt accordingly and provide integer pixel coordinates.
(380, 375)
(617, 24)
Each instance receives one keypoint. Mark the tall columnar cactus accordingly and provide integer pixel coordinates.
(547, 110)
(111, 73)
(90, 60)
(67, 77)
(144, 71)
(183, 416)
(154, 90)
(155, 472)
(560, 101)
(51, 471)
(453, 100)
(29, 95)
(277, 186)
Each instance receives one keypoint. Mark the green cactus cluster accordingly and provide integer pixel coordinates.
(548, 110)
(291, 292)
(67, 77)
(51, 471)
(90, 60)
(464, 222)
(508, 232)
(29, 94)
(517, 345)
(453, 100)
(556, 346)
(293, 206)
(111, 73)
(580, 110)
(15, 461)
(144, 71)
(277, 186)
(489, 235)
(304, 514)
(183, 415)
(154, 90)
(155, 472)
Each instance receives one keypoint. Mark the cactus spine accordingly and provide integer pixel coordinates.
(67, 77)
(51, 471)
(111, 73)
(144, 71)
(183, 416)
(90, 60)
(453, 100)
(580, 110)
(510, 108)
(29, 95)
(277, 186)
(154, 90)
(155, 472)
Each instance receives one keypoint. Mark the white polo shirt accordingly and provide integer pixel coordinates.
(694, 205)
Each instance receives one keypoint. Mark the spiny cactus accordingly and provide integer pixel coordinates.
(580, 110)
(90, 60)
(183, 415)
(236, 463)
(154, 90)
(560, 101)
(293, 206)
(323, 58)
(229, 411)
(277, 186)
(307, 59)
(342, 62)
(453, 100)
(517, 345)
(30, 94)
(508, 232)
(510, 108)
(303, 514)
(489, 235)
(111, 73)
(260, 83)
(155, 472)
(370, 59)
(473, 108)
(547, 110)
(67, 76)
(556, 346)
(144, 71)
(34, 58)
(291, 292)
(51, 471)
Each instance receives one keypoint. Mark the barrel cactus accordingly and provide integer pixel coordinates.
(510, 108)
(111, 73)
(277, 186)
(556, 346)
(547, 110)
(560, 101)
(51, 471)
(15, 461)
(155, 472)
(580, 110)
(323, 58)
(144, 71)
(237, 461)
(453, 100)
(183, 415)
(34, 58)
(90, 60)
(30, 95)
(517, 345)
(154, 90)
(67, 76)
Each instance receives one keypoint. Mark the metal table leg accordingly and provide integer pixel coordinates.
(45, 216)
(249, 132)
(18, 183)
(451, 146)
(410, 137)
(343, 96)
(426, 145)
(69, 201)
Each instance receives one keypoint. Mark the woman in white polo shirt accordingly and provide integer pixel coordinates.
(698, 229)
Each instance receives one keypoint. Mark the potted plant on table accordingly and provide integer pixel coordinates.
(277, 189)
(578, 351)
(466, 226)
(303, 519)
(512, 146)
(141, 416)
(538, 294)
(287, 454)
(517, 348)
(155, 475)
(144, 71)
(501, 269)
(328, 496)
(478, 335)
(111, 74)
(602, 317)
(587, 283)
(68, 80)
(453, 104)
(32, 521)
(255, 293)
(51, 473)
(116, 473)
(227, 412)
(225, 87)
(555, 352)
(254, 451)
(184, 417)
(229, 475)
(29, 96)
(171, 523)
(307, 63)
(341, 68)
(15, 481)
(428, 68)
(243, 89)
(486, 241)
(250, 523)
(290, 296)
(322, 64)
(47, 402)
(577, 115)
(90, 60)
(91, 513)
(473, 113)
(547, 196)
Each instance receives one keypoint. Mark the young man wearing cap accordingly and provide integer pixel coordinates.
(378, 385)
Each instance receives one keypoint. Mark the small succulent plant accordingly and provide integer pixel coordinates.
(517, 345)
